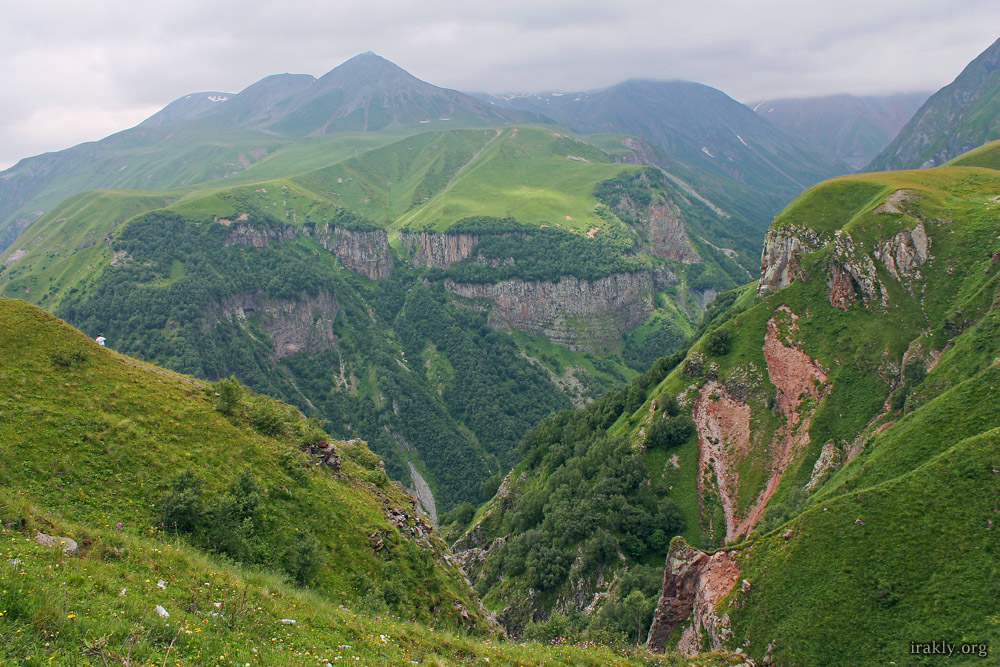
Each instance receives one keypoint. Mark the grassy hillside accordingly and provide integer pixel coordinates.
(92, 446)
(838, 433)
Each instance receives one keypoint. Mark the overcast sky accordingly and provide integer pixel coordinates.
(77, 71)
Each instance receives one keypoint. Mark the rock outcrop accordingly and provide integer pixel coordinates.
(663, 223)
(905, 253)
(437, 249)
(363, 251)
(579, 314)
(779, 261)
(293, 325)
(258, 236)
(693, 585)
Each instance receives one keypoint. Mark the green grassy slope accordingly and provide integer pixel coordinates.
(90, 440)
(906, 415)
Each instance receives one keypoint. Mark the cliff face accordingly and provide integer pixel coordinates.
(853, 270)
(663, 223)
(293, 325)
(693, 584)
(365, 252)
(779, 260)
(579, 314)
(437, 250)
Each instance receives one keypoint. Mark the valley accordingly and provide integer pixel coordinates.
(400, 375)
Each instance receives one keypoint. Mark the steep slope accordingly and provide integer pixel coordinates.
(203, 137)
(440, 351)
(102, 453)
(853, 128)
(813, 427)
(959, 117)
(699, 126)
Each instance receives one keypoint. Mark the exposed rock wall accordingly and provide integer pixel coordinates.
(437, 249)
(779, 261)
(579, 314)
(293, 325)
(853, 274)
(693, 585)
(364, 251)
(258, 236)
(663, 223)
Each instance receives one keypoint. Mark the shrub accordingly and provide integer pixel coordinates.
(229, 392)
(181, 508)
(304, 558)
(719, 343)
(666, 433)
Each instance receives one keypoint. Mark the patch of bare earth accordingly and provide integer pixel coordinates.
(724, 436)
(723, 426)
(797, 378)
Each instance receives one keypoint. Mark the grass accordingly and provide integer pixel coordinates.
(88, 441)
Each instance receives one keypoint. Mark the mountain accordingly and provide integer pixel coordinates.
(959, 117)
(853, 128)
(152, 517)
(208, 136)
(697, 125)
(821, 459)
(514, 272)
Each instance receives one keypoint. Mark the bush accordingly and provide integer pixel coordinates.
(666, 433)
(266, 418)
(719, 343)
(181, 509)
(303, 560)
(229, 392)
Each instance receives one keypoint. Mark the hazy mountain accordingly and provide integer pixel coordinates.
(206, 136)
(695, 124)
(853, 128)
(959, 117)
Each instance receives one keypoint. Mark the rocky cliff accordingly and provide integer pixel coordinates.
(363, 251)
(853, 269)
(693, 585)
(437, 250)
(579, 314)
(293, 325)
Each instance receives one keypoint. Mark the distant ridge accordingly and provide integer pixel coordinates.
(961, 116)
(854, 128)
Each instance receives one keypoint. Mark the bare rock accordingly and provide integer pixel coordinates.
(68, 545)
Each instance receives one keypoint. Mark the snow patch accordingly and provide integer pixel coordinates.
(707, 152)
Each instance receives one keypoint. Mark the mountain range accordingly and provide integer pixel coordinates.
(961, 116)
(544, 316)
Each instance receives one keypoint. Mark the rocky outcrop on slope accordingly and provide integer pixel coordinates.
(258, 236)
(437, 250)
(297, 325)
(905, 253)
(693, 585)
(580, 314)
(363, 251)
(663, 223)
(779, 261)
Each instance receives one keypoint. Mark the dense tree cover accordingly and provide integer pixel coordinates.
(496, 392)
(589, 501)
(529, 252)
(162, 301)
